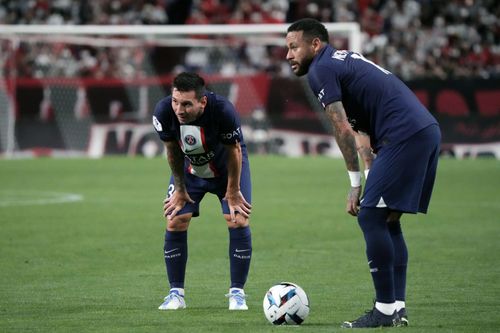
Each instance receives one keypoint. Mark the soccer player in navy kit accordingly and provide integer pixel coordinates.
(359, 95)
(207, 154)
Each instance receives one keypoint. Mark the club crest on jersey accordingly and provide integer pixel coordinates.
(190, 140)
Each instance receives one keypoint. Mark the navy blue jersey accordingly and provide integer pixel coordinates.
(376, 102)
(202, 140)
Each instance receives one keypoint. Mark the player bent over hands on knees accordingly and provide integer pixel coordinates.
(207, 154)
(359, 95)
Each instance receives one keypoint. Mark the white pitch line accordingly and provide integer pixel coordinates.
(10, 198)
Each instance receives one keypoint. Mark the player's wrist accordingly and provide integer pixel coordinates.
(232, 192)
(355, 178)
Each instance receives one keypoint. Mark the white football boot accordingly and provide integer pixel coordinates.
(237, 299)
(174, 300)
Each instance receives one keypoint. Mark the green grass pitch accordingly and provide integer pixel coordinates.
(96, 265)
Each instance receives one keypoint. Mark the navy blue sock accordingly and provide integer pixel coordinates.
(176, 253)
(379, 251)
(400, 259)
(240, 254)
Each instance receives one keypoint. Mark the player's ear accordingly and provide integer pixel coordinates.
(203, 101)
(316, 44)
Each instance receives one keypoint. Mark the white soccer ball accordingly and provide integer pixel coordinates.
(286, 304)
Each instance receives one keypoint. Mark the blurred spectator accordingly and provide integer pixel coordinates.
(178, 11)
(258, 132)
(437, 39)
(411, 38)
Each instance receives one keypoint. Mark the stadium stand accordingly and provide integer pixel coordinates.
(412, 38)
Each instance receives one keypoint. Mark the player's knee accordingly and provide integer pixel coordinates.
(394, 227)
(372, 219)
(179, 223)
(394, 216)
(241, 221)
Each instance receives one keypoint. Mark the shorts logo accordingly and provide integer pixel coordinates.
(190, 140)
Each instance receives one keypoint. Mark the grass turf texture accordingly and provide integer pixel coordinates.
(97, 265)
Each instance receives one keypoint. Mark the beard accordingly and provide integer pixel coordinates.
(303, 67)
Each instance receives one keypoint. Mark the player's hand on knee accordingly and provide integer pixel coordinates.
(353, 201)
(173, 204)
(238, 204)
(244, 209)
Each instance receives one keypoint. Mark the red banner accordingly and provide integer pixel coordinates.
(62, 114)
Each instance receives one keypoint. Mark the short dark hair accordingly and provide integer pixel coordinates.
(311, 29)
(188, 81)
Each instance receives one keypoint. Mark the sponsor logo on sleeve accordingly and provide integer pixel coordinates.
(234, 134)
(321, 94)
(157, 124)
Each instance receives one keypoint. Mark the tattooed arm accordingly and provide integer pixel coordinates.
(346, 139)
(178, 199)
(364, 149)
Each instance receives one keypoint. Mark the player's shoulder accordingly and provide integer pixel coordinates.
(163, 112)
(329, 59)
(163, 105)
(216, 99)
(219, 104)
(323, 70)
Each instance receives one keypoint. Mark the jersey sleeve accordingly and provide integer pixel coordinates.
(325, 83)
(162, 120)
(230, 125)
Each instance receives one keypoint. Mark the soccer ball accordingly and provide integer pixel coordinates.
(286, 304)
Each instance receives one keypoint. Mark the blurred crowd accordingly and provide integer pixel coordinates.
(411, 38)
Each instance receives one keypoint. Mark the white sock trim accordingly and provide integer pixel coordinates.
(400, 305)
(239, 289)
(179, 290)
(386, 308)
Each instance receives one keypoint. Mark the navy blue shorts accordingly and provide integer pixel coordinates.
(197, 188)
(402, 175)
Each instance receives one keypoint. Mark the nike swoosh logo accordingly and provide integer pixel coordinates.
(169, 251)
(369, 262)
(187, 151)
(238, 250)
